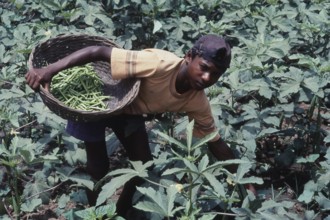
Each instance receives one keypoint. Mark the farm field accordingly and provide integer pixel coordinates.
(272, 107)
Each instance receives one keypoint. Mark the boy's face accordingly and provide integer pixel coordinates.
(201, 73)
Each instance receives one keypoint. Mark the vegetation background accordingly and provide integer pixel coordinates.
(272, 107)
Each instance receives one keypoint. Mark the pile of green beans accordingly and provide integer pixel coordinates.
(79, 88)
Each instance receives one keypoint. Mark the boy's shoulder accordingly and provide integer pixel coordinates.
(163, 54)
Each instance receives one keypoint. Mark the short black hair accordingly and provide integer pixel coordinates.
(213, 48)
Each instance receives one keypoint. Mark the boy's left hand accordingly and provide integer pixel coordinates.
(37, 77)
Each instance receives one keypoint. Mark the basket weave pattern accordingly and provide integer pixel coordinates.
(121, 92)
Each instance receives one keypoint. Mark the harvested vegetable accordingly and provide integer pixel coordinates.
(79, 88)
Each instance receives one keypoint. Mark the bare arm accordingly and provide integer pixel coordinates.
(43, 76)
(222, 152)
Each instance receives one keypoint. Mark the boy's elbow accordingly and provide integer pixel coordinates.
(100, 53)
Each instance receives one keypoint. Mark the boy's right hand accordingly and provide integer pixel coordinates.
(36, 77)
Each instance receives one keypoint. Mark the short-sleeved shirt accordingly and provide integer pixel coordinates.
(158, 70)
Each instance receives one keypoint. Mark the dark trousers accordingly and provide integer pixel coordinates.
(131, 132)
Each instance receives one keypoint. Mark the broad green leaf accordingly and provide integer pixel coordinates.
(217, 186)
(309, 190)
(65, 171)
(105, 210)
(75, 156)
(274, 121)
(110, 188)
(242, 211)
(266, 92)
(234, 80)
(55, 5)
(171, 140)
(227, 131)
(252, 180)
(270, 204)
(203, 163)
(323, 201)
(6, 18)
(276, 53)
(189, 134)
(190, 166)
(204, 140)
(79, 196)
(256, 62)
(122, 171)
(88, 213)
(208, 216)
(258, 85)
(241, 171)
(31, 205)
(279, 48)
(324, 179)
(63, 200)
(10, 94)
(312, 83)
(289, 88)
(83, 180)
(171, 197)
(2, 52)
(220, 164)
(267, 131)
(3, 150)
(140, 167)
(309, 214)
(150, 207)
(158, 204)
(27, 155)
(37, 187)
(173, 171)
(268, 216)
(309, 159)
(157, 26)
(21, 143)
(187, 23)
(327, 155)
(104, 18)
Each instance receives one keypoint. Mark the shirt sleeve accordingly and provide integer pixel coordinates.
(131, 63)
(204, 121)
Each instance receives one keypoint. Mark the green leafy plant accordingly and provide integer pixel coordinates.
(19, 159)
(102, 212)
(182, 189)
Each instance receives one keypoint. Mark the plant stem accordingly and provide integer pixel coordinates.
(157, 184)
(225, 214)
(318, 127)
(190, 192)
(23, 126)
(15, 195)
(36, 194)
(230, 198)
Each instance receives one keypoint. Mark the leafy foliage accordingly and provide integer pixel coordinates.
(272, 107)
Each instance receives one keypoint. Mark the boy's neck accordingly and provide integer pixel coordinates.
(181, 82)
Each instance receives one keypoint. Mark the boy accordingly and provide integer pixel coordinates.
(168, 84)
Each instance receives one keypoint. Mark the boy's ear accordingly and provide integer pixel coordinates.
(188, 56)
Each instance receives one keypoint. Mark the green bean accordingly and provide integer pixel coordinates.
(79, 88)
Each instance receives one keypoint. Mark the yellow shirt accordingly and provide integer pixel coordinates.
(158, 70)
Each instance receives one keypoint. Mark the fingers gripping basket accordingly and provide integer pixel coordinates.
(122, 92)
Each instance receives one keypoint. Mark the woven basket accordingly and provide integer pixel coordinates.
(122, 92)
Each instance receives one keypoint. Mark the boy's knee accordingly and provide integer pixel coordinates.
(97, 170)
